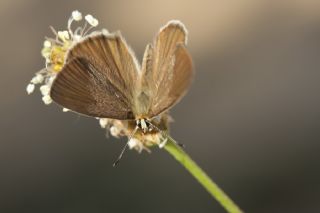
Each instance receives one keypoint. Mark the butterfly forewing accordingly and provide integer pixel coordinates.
(167, 69)
(98, 78)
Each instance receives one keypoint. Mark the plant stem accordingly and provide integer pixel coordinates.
(201, 176)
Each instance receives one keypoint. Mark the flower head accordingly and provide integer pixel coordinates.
(141, 141)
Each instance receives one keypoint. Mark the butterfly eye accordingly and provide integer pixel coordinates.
(139, 124)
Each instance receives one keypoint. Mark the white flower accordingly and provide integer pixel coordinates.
(63, 35)
(115, 132)
(103, 122)
(47, 99)
(91, 20)
(47, 44)
(76, 15)
(37, 79)
(30, 88)
(45, 90)
(133, 143)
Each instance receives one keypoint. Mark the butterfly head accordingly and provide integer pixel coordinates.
(144, 124)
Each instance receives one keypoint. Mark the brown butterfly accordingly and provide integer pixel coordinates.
(102, 77)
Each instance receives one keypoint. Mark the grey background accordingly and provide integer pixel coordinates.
(251, 118)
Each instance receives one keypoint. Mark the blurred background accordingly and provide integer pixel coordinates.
(251, 118)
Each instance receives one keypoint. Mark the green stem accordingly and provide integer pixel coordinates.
(201, 176)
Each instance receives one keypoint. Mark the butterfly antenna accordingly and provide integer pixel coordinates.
(125, 147)
(165, 134)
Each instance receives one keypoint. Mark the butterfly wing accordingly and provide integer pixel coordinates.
(98, 78)
(167, 69)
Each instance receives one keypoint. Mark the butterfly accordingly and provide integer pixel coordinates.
(102, 77)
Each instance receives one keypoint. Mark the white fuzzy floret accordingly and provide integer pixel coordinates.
(114, 131)
(63, 35)
(37, 79)
(76, 15)
(91, 20)
(47, 44)
(30, 88)
(133, 143)
(103, 122)
(47, 99)
(45, 90)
